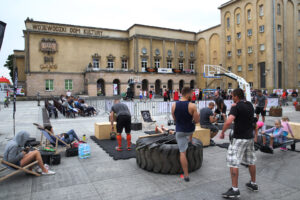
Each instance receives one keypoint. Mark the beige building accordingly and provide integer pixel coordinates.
(257, 39)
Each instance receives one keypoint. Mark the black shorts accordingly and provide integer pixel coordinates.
(260, 110)
(124, 121)
(223, 110)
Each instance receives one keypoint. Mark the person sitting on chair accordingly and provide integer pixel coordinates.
(207, 119)
(68, 137)
(273, 134)
(15, 153)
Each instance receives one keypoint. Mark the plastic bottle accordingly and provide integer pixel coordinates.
(84, 138)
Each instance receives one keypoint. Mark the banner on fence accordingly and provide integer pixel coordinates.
(272, 102)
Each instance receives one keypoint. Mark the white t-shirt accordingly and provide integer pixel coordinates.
(69, 93)
(141, 93)
(145, 93)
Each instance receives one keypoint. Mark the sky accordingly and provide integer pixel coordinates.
(190, 15)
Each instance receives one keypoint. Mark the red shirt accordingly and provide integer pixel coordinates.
(176, 97)
(194, 96)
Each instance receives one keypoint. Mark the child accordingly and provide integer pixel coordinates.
(286, 130)
(259, 126)
(275, 134)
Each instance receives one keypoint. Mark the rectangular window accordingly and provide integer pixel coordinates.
(68, 84)
(279, 28)
(299, 32)
(261, 47)
(239, 68)
(228, 38)
(239, 35)
(251, 84)
(169, 63)
(180, 64)
(261, 10)
(298, 49)
(228, 22)
(124, 64)
(250, 67)
(298, 14)
(279, 46)
(192, 65)
(239, 52)
(298, 66)
(250, 50)
(249, 14)
(157, 63)
(229, 85)
(278, 9)
(95, 63)
(110, 63)
(261, 28)
(229, 53)
(229, 69)
(249, 32)
(238, 19)
(49, 85)
(144, 63)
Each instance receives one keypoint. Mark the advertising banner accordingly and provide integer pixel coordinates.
(165, 70)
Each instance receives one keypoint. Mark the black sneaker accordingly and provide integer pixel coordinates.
(253, 187)
(231, 194)
(212, 143)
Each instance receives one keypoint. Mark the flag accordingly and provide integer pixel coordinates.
(2, 29)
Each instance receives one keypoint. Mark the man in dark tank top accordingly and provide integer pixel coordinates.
(186, 116)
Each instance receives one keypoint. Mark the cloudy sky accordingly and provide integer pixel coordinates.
(191, 15)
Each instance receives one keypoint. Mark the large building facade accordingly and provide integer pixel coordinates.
(257, 39)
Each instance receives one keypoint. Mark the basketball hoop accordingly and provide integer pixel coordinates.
(210, 71)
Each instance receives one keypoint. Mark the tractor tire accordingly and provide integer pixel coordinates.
(164, 158)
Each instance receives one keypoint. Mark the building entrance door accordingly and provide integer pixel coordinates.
(262, 67)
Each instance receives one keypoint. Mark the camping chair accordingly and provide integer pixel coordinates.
(53, 139)
(148, 122)
(8, 169)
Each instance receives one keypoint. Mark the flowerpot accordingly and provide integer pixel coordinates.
(151, 69)
(177, 70)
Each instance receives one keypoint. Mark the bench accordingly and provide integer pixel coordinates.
(103, 130)
(203, 135)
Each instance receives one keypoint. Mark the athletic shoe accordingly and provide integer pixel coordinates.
(231, 194)
(48, 173)
(46, 166)
(253, 187)
(186, 179)
(118, 148)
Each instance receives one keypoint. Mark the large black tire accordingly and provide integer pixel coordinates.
(165, 158)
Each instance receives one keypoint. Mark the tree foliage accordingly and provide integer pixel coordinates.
(10, 64)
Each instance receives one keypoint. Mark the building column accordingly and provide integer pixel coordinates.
(186, 55)
(175, 55)
(164, 54)
(151, 53)
(136, 54)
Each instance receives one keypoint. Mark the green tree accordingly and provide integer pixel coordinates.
(10, 64)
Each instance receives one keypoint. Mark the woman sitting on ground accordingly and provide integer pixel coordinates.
(15, 153)
(68, 137)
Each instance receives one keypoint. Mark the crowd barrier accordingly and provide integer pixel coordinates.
(157, 108)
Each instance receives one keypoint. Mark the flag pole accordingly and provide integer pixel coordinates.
(15, 94)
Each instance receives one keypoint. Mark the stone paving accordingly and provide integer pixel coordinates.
(100, 177)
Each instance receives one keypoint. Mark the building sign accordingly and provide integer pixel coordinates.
(65, 29)
(48, 66)
(165, 70)
(188, 71)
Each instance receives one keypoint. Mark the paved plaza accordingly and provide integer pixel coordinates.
(100, 177)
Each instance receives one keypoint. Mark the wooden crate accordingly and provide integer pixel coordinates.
(296, 130)
(103, 129)
(203, 135)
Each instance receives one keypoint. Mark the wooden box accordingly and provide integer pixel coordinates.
(296, 130)
(203, 135)
(103, 129)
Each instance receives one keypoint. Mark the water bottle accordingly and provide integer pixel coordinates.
(84, 138)
(84, 151)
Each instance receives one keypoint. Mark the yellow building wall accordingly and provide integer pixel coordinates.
(290, 43)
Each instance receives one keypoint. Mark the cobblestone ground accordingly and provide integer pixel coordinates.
(100, 177)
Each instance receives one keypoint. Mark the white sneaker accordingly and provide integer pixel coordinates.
(48, 173)
(46, 166)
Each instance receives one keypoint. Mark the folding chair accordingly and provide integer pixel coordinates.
(147, 119)
(8, 169)
(53, 139)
